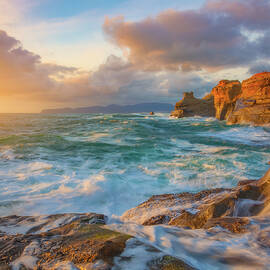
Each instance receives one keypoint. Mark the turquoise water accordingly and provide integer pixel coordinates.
(111, 163)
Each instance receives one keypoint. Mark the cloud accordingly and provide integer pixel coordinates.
(22, 72)
(28, 84)
(251, 14)
(221, 34)
(259, 67)
(11, 11)
(118, 81)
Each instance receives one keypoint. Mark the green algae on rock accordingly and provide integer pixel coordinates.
(79, 239)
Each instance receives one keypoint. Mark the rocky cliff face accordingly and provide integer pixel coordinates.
(225, 96)
(248, 103)
(253, 105)
(190, 106)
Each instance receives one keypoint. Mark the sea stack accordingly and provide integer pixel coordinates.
(191, 106)
(253, 105)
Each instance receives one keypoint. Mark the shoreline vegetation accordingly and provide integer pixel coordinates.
(83, 241)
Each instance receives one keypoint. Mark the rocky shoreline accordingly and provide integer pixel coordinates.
(227, 208)
(71, 241)
(237, 103)
(82, 241)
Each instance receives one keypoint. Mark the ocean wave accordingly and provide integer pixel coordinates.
(244, 135)
(109, 163)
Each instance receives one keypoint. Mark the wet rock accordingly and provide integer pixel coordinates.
(86, 244)
(264, 239)
(253, 105)
(227, 208)
(48, 241)
(232, 224)
(71, 241)
(225, 96)
(139, 255)
(190, 106)
(168, 263)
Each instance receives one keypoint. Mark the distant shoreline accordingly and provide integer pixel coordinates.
(113, 108)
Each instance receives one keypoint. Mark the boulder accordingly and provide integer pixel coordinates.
(225, 96)
(168, 263)
(52, 242)
(227, 208)
(253, 105)
(190, 106)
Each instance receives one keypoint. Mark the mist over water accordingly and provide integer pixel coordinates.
(110, 163)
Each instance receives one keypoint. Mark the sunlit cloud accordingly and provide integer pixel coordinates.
(211, 37)
(73, 61)
(26, 78)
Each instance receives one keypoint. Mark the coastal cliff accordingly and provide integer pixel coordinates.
(225, 96)
(246, 103)
(253, 105)
(219, 103)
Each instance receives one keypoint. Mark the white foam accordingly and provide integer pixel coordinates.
(202, 249)
(171, 164)
(97, 135)
(23, 226)
(152, 172)
(28, 257)
(209, 166)
(7, 153)
(249, 135)
(28, 261)
(66, 266)
(136, 256)
(91, 185)
(32, 169)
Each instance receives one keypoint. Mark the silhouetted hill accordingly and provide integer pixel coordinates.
(113, 108)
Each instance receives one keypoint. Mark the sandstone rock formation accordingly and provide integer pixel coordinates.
(248, 103)
(70, 241)
(190, 106)
(225, 96)
(231, 209)
(253, 105)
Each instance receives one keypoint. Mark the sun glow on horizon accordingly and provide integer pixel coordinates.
(66, 54)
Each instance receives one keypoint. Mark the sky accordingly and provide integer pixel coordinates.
(66, 53)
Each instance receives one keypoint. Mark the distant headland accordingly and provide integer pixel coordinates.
(113, 108)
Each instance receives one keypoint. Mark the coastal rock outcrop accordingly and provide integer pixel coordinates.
(231, 209)
(246, 103)
(190, 106)
(253, 105)
(72, 241)
(225, 96)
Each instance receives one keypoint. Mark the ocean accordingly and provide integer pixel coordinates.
(77, 163)
(110, 163)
